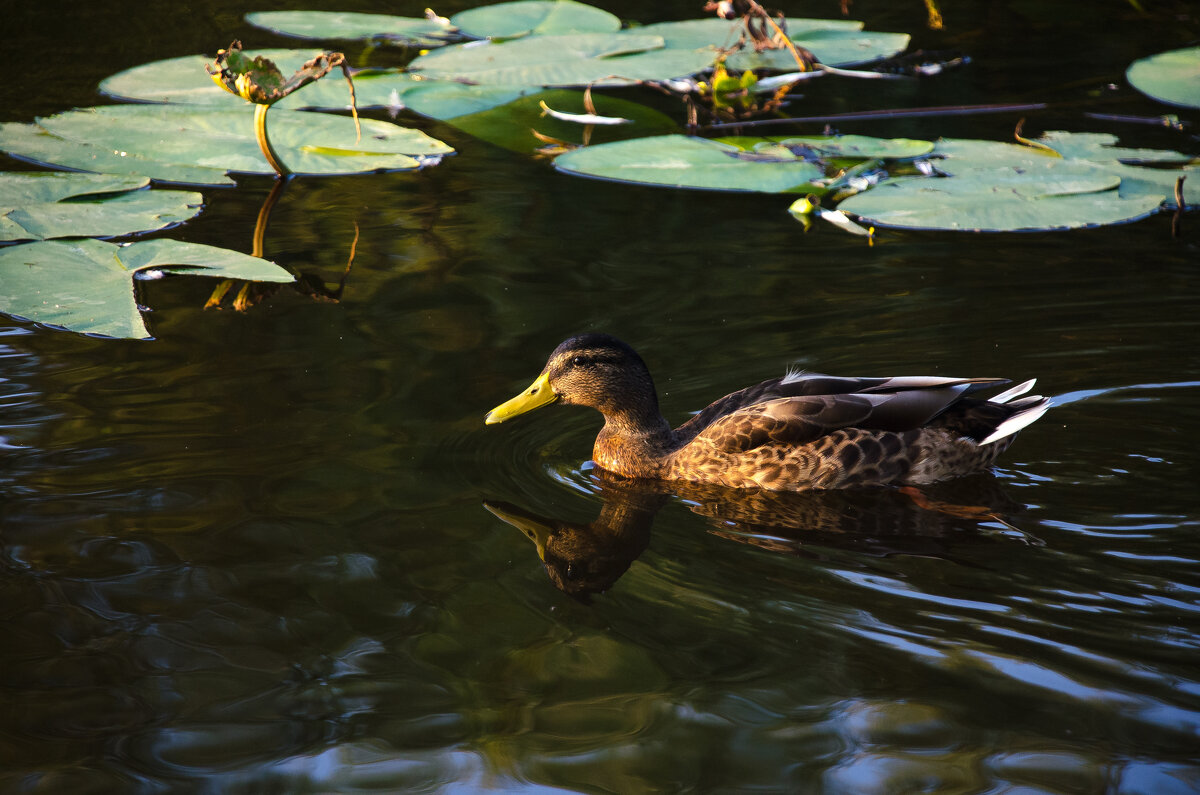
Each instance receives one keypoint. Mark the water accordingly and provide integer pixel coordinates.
(253, 555)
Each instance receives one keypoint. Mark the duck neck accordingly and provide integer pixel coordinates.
(634, 445)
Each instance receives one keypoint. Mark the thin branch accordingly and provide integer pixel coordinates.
(882, 115)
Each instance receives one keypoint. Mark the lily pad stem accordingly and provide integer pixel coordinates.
(264, 141)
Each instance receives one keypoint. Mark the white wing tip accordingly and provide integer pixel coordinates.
(1018, 421)
(1016, 391)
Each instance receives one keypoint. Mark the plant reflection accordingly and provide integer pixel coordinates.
(586, 558)
(308, 284)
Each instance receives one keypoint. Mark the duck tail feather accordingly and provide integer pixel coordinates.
(1030, 409)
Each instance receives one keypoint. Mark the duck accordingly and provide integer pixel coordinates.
(797, 432)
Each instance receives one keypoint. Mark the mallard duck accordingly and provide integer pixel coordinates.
(793, 433)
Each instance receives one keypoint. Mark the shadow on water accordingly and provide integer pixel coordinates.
(586, 558)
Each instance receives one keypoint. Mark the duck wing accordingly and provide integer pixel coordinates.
(806, 418)
(823, 403)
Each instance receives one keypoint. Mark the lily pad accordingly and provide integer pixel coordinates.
(862, 147)
(534, 17)
(833, 47)
(512, 124)
(352, 26)
(185, 81)
(1095, 148)
(87, 285)
(1046, 195)
(31, 142)
(309, 143)
(563, 61)
(684, 162)
(41, 205)
(1172, 77)
(837, 42)
(446, 100)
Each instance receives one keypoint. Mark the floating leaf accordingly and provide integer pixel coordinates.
(694, 34)
(310, 143)
(1050, 194)
(840, 146)
(31, 142)
(185, 81)
(446, 100)
(1172, 77)
(832, 47)
(87, 285)
(41, 205)
(568, 60)
(684, 162)
(835, 42)
(1095, 148)
(534, 17)
(352, 26)
(512, 124)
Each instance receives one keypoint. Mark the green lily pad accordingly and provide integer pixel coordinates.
(685, 162)
(87, 285)
(352, 26)
(862, 147)
(309, 143)
(563, 61)
(446, 100)
(184, 81)
(1172, 77)
(534, 17)
(1047, 195)
(833, 47)
(31, 142)
(837, 42)
(511, 124)
(41, 205)
(1095, 148)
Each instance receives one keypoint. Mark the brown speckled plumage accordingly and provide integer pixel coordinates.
(798, 432)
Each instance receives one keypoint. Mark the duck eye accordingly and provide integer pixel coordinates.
(577, 361)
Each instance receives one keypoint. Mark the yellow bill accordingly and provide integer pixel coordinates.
(537, 395)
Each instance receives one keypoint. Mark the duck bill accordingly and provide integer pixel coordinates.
(537, 395)
(535, 529)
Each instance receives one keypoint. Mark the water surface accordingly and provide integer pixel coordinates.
(253, 555)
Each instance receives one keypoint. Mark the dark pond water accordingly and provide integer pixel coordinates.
(254, 554)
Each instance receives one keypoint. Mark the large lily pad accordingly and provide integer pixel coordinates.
(511, 123)
(184, 81)
(309, 143)
(837, 42)
(1172, 77)
(684, 162)
(1095, 148)
(857, 147)
(87, 285)
(31, 142)
(1058, 195)
(41, 205)
(534, 17)
(832, 47)
(352, 26)
(999, 187)
(567, 60)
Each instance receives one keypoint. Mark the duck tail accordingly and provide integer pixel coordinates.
(1026, 411)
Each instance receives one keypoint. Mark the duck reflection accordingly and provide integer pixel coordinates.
(583, 559)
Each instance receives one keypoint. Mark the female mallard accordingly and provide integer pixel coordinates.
(802, 431)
